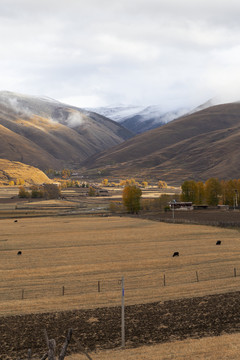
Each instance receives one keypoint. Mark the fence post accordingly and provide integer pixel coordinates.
(22, 294)
(99, 289)
(29, 354)
(63, 290)
(197, 276)
(235, 272)
(164, 280)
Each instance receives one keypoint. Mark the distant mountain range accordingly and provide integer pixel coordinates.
(196, 146)
(46, 133)
(139, 119)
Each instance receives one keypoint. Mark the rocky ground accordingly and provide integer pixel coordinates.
(101, 328)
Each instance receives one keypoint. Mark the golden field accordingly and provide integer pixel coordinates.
(78, 252)
(225, 347)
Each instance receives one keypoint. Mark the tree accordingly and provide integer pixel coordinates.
(131, 198)
(230, 192)
(189, 191)
(122, 183)
(162, 184)
(37, 192)
(65, 173)
(51, 191)
(91, 191)
(212, 191)
(105, 182)
(200, 195)
(131, 181)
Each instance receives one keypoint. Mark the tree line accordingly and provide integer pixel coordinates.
(47, 191)
(212, 192)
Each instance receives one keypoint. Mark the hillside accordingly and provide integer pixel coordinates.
(13, 170)
(46, 133)
(197, 146)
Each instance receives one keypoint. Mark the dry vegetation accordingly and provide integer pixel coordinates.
(225, 347)
(19, 173)
(77, 252)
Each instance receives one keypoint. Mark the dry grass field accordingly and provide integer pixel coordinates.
(77, 252)
(225, 347)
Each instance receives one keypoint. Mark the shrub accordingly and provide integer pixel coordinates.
(115, 207)
(23, 193)
(37, 192)
(91, 191)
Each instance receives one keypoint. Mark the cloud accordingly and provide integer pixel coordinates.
(75, 119)
(140, 51)
(16, 106)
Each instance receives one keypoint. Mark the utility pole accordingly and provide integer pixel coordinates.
(236, 198)
(173, 215)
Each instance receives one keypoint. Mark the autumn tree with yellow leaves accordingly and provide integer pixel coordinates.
(131, 198)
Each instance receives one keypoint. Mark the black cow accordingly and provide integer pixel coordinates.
(15, 220)
(176, 253)
(218, 242)
(19, 253)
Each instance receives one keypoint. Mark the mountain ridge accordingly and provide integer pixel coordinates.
(139, 119)
(47, 133)
(196, 146)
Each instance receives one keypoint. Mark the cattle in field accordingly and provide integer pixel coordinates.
(15, 220)
(218, 242)
(176, 253)
(19, 253)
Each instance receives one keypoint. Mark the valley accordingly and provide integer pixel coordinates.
(47, 134)
(62, 259)
(196, 146)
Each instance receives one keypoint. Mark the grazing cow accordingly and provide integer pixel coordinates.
(19, 253)
(218, 242)
(15, 220)
(176, 253)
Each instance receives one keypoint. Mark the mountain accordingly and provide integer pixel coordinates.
(139, 119)
(197, 146)
(13, 171)
(150, 118)
(46, 133)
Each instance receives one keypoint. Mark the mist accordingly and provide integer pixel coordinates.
(142, 52)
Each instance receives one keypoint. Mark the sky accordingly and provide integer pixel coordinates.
(173, 53)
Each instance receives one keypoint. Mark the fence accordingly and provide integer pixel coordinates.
(140, 281)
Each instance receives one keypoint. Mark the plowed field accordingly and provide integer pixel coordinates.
(101, 328)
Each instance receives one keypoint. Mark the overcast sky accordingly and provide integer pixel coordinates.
(175, 53)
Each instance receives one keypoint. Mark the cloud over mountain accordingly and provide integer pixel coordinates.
(173, 53)
(46, 133)
(198, 146)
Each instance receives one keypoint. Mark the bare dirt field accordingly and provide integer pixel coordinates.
(67, 260)
(146, 324)
(223, 218)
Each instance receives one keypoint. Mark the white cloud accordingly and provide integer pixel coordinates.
(95, 53)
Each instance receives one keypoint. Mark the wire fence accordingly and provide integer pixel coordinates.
(149, 280)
